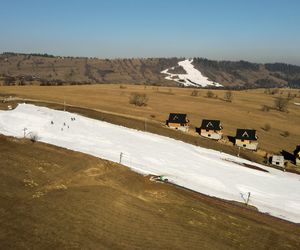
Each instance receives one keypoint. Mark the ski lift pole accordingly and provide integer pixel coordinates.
(248, 198)
(24, 129)
(121, 155)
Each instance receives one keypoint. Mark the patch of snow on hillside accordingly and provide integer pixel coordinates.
(193, 77)
(204, 170)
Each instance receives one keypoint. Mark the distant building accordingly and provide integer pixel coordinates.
(297, 155)
(277, 160)
(178, 121)
(246, 138)
(211, 129)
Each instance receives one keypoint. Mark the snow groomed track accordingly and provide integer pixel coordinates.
(192, 77)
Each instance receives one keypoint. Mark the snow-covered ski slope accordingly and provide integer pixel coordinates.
(193, 77)
(203, 170)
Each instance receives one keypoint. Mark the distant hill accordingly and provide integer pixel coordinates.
(249, 75)
(44, 69)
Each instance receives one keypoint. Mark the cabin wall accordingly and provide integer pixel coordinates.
(174, 125)
(178, 126)
(252, 145)
(216, 135)
(183, 128)
(279, 163)
(298, 161)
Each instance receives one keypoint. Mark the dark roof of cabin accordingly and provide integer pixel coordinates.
(211, 124)
(297, 150)
(177, 118)
(246, 134)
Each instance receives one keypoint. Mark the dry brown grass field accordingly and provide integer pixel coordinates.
(52, 198)
(245, 111)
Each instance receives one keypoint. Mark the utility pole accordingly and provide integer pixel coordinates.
(121, 155)
(24, 129)
(248, 198)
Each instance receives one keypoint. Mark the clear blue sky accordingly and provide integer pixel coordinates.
(255, 30)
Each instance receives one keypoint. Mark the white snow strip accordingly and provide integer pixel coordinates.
(207, 171)
(297, 103)
(193, 77)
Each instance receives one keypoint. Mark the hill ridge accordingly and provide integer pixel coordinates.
(46, 69)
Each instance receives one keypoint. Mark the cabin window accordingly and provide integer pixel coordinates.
(208, 135)
(242, 140)
(207, 130)
(244, 145)
(277, 163)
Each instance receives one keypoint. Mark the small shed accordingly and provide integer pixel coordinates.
(297, 155)
(211, 129)
(178, 121)
(277, 160)
(246, 138)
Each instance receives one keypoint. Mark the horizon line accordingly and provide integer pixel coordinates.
(155, 57)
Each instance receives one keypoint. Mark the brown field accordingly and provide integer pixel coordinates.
(52, 198)
(245, 111)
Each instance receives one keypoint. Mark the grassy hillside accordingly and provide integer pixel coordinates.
(247, 109)
(26, 69)
(52, 198)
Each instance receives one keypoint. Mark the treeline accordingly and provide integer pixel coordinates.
(294, 83)
(244, 65)
(27, 54)
(25, 80)
(226, 65)
(283, 68)
(45, 55)
(289, 73)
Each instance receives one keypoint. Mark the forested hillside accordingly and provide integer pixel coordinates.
(249, 75)
(44, 69)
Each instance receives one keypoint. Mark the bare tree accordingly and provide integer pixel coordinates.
(291, 96)
(195, 93)
(34, 137)
(265, 108)
(228, 96)
(286, 133)
(210, 94)
(267, 127)
(281, 104)
(138, 99)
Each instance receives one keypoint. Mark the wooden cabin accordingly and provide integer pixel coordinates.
(277, 160)
(297, 155)
(211, 129)
(178, 121)
(246, 138)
